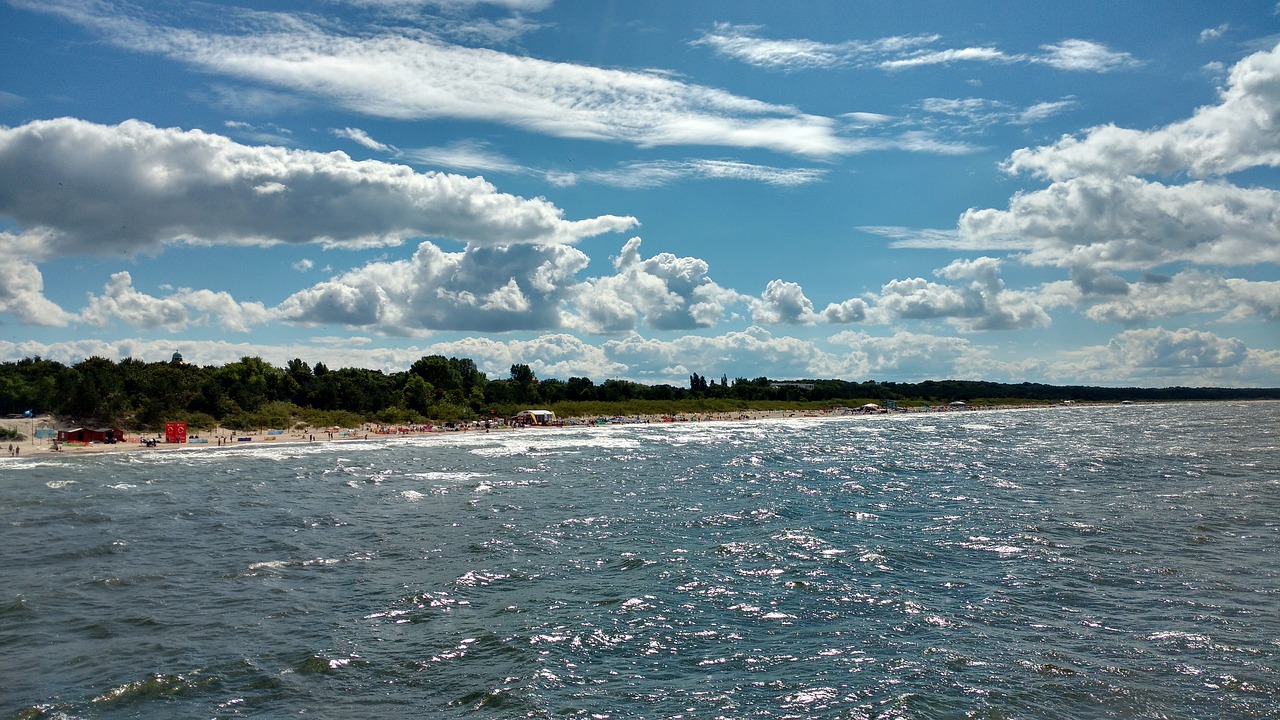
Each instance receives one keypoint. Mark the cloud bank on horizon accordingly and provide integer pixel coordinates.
(1082, 200)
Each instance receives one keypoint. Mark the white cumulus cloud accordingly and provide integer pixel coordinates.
(22, 290)
(782, 303)
(666, 292)
(482, 288)
(1130, 223)
(977, 301)
(121, 301)
(1241, 131)
(133, 187)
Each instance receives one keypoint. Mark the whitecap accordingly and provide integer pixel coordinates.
(474, 579)
(812, 696)
(998, 549)
(460, 476)
(271, 564)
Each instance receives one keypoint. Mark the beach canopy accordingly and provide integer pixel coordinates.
(537, 417)
(870, 406)
(958, 402)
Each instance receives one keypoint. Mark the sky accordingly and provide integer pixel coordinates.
(1068, 193)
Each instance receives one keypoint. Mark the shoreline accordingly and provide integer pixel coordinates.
(224, 439)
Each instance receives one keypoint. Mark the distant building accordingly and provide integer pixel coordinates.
(177, 359)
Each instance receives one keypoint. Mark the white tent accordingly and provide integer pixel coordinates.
(536, 417)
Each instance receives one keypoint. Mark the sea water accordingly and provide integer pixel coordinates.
(1071, 562)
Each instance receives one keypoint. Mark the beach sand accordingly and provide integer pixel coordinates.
(219, 439)
(224, 438)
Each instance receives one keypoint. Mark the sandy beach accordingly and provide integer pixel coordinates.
(223, 438)
(218, 439)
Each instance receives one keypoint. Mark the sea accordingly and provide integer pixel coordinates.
(1118, 561)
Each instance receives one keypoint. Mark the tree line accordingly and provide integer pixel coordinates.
(250, 392)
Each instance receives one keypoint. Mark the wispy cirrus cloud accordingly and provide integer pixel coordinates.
(1083, 56)
(513, 5)
(409, 74)
(942, 239)
(485, 21)
(899, 52)
(466, 155)
(946, 57)
(476, 156)
(362, 138)
(741, 43)
(1213, 33)
(978, 114)
(659, 173)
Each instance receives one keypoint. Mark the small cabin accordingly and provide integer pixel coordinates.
(106, 436)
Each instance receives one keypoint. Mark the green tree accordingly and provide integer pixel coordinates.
(29, 384)
(500, 393)
(251, 382)
(92, 390)
(441, 374)
(580, 388)
(526, 384)
(472, 378)
(298, 380)
(417, 395)
(162, 391)
(552, 391)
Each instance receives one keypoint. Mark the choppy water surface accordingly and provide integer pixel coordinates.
(1069, 562)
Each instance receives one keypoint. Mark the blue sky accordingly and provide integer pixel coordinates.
(1075, 192)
